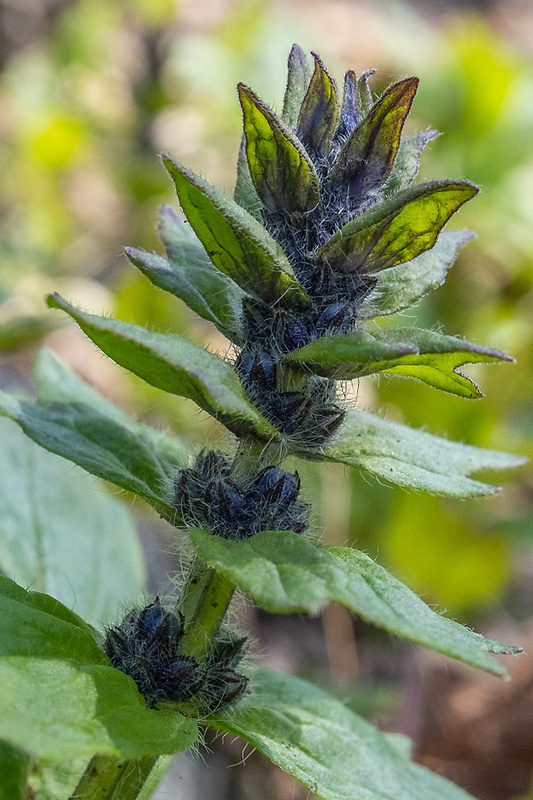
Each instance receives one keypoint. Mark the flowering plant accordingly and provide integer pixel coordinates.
(326, 235)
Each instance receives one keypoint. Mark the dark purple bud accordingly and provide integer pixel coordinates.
(256, 368)
(278, 486)
(295, 332)
(336, 318)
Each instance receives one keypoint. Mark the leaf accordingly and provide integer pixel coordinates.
(14, 765)
(298, 79)
(397, 230)
(411, 457)
(350, 115)
(331, 750)
(282, 172)
(407, 162)
(74, 421)
(428, 356)
(402, 286)
(284, 573)
(235, 242)
(60, 710)
(62, 535)
(189, 274)
(319, 112)
(173, 364)
(56, 781)
(35, 624)
(244, 193)
(366, 158)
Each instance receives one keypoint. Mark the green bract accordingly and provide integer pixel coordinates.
(325, 233)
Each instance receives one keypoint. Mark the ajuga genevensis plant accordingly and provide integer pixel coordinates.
(327, 233)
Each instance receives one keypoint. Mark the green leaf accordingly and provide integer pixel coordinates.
(282, 172)
(284, 573)
(56, 781)
(364, 93)
(22, 331)
(366, 158)
(235, 242)
(35, 624)
(402, 286)
(188, 273)
(411, 457)
(319, 112)
(244, 193)
(396, 231)
(428, 356)
(298, 79)
(62, 535)
(407, 162)
(331, 750)
(173, 364)
(14, 765)
(74, 421)
(60, 710)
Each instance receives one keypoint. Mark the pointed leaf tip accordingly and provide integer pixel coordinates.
(281, 171)
(319, 113)
(298, 78)
(396, 231)
(366, 159)
(237, 244)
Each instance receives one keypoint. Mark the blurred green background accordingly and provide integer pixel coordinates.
(92, 90)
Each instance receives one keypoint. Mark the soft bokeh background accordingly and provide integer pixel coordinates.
(90, 92)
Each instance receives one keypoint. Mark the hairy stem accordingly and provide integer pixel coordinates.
(108, 778)
(204, 603)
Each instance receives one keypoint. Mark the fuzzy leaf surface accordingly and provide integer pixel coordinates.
(244, 193)
(61, 710)
(403, 286)
(428, 356)
(366, 158)
(407, 162)
(35, 624)
(412, 457)
(74, 421)
(298, 78)
(236, 243)
(283, 174)
(395, 231)
(14, 765)
(319, 112)
(173, 364)
(189, 273)
(61, 535)
(284, 573)
(326, 746)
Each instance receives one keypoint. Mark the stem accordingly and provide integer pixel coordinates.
(108, 778)
(204, 603)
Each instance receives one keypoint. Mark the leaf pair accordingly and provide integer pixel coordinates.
(72, 420)
(428, 356)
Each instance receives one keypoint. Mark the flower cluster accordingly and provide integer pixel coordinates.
(208, 496)
(146, 646)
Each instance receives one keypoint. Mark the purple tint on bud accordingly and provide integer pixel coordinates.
(255, 367)
(278, 486)
(336, 318)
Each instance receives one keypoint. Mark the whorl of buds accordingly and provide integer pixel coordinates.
(146, 646)
(207, 495)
